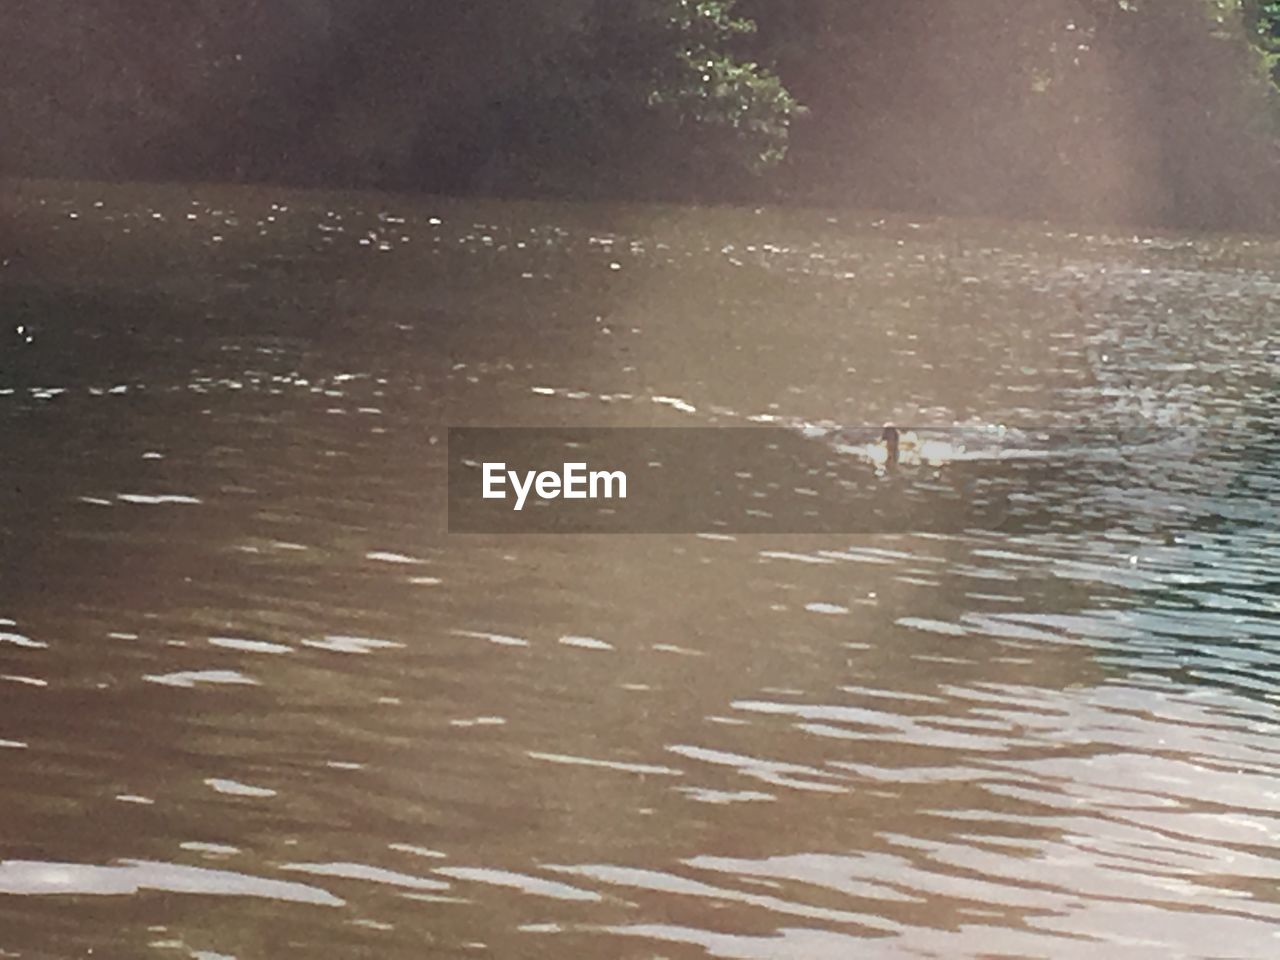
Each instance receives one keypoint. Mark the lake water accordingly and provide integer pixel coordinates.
(256, 701)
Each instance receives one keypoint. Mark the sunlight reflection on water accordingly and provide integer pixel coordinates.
(235, 631)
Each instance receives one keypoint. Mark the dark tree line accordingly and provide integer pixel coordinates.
(1146, 110)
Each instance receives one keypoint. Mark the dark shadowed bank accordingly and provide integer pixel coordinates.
(1155, 111)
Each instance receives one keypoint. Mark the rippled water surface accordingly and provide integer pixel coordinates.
(255, 701)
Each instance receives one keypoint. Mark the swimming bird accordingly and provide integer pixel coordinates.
(892, 440)
(892, 447)
(898, 446)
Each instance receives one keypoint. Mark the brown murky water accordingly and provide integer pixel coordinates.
(255, 701)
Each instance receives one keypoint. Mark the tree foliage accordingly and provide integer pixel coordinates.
(1132, 109)
(704, 84)
(1092, 109)
(1262, 20)
(660, 81)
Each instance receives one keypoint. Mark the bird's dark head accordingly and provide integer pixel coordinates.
(890, 437)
